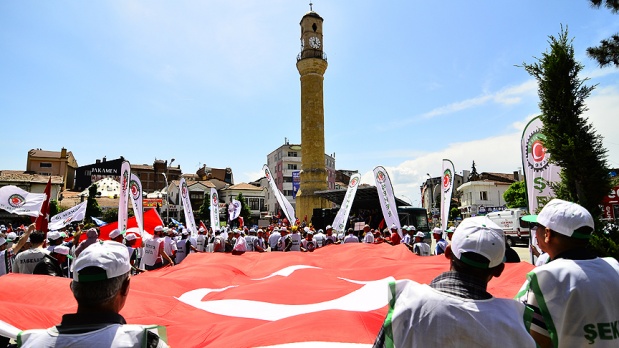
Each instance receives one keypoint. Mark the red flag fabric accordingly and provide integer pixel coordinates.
(241, 221)
(202, 225)
(151, 220)
(337, 294)
(43, 218)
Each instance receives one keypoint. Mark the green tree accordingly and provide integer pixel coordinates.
(516, 196)
(245, 211)
(92, 206)
(54, 208)
(204, 212)
(454, 213)
(608, 50)
(570, 139)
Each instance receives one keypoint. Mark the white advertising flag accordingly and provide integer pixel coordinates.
(135, 188)
(123, 201)
(539, 173)
(215, 209)
(281, 199)
(234, 209)
(387, 199)
(446, 191)
(189, 220)
(20, 202)
(64, 218)
(339, 223)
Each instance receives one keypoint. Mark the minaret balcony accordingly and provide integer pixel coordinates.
(311, 53)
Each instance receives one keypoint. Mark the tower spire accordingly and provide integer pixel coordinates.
(311, 6)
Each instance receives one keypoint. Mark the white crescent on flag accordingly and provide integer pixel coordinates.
(254, 299)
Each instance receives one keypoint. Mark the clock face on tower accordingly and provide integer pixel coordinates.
(314, 42)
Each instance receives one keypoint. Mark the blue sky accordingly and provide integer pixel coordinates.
(214, 82)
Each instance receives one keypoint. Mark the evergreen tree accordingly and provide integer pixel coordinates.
(608, 50)
(92, 206)
(204, 212)
(570, 139)
(245, 211)
(516, 196)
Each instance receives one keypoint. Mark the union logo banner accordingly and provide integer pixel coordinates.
(335, 296)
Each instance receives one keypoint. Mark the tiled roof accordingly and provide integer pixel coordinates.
(44, 153)
(244, 186)
(21, 176)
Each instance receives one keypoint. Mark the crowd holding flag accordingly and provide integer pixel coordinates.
(20, 202)
(123, 201)
(186, 202)
(281, 199)
(135, 188)
(446, 191)
(214, 209)
(386, 198)
(339, 223)
(62, 219)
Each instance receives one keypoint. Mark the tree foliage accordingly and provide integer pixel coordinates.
(516, 195)
(245, 211)
(204, 212)
(608, 50)
(92, 206)
(570, 139)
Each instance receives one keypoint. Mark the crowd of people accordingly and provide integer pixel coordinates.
(563, 303)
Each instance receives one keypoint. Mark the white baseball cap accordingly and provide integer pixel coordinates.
(53, 235)
(115, 233)
(11, 236)
(159, 228)
(111, 257)
(481, 236)
(329, 227)
(61, 249)
(185, 232)
(420, 234)
(394, 227)
(437, 230)
(130, 236)
(2, 240)
(412, 228)
(565, 218)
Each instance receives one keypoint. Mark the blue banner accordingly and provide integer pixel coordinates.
(296, 183)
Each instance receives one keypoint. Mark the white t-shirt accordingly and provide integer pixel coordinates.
(296, 242)
(421, 249)
(425, 317)
(241, 244)
(273, 239)
(351, 238)
(26, 260)
(369, 238)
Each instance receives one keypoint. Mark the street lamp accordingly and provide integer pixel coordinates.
(410, 200)
(167, 201)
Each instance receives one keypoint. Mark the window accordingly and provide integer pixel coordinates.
(45, 165)
(483, 195)
(254, 203)
(292, 166)
(287, 179)
(288, 193)
(292, 154)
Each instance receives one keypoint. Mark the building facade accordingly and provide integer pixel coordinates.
(55, 163)
(431, 192)
(485, 195)
(285, 163)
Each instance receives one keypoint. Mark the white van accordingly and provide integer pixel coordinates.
(514, 228)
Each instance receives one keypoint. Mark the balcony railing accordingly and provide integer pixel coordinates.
(312, 54)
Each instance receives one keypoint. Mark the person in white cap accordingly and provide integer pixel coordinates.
(130, 239)
(8, 253)
(259, 244)
(320, 238)
(368, 236)
(55, 238)
(293, 240)
(409, 234)
(420, 247)
(308, 243)
(201, 241)
(101, 281)
(240, 246)
(455, 309)
(441, 244)
(274, 238)
(330, 238)
(153, 253)
(395, 237)
(183, 247)
(116, 235)
(55, 263)
(251, 239)
(169, 244)
(219, 244)
(574, 296)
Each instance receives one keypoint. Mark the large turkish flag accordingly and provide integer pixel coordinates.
(337, 294)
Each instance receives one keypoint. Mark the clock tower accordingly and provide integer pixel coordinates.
(312, 64)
